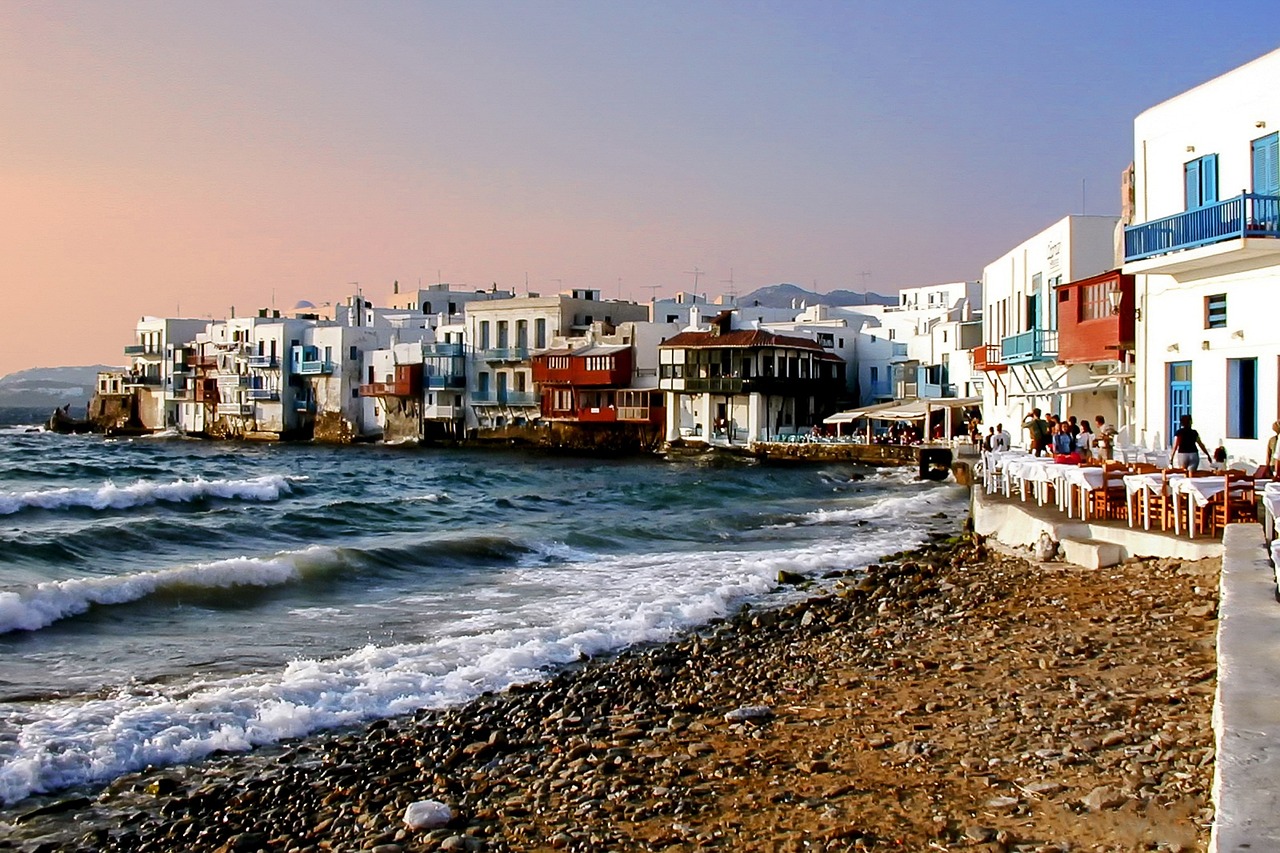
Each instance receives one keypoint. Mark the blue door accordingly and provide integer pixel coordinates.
(1179, 393)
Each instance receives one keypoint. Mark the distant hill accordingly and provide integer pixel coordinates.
(47, 388)
(782, 295)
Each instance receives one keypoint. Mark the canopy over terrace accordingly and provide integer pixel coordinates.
(903, 410)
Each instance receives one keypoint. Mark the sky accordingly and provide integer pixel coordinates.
(181, 159)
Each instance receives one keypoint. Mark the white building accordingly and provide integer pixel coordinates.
(1019, 352)
(501, 335)
(157, 373)
(930, 331)
(1204, 248)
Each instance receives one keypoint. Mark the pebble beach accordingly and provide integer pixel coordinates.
(953, 697)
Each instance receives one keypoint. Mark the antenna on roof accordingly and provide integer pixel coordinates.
(729, 281)
(696, 273)
(653, 291)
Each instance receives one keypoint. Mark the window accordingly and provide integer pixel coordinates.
(1095, 301)
(355, 353)
(540, 333)
(484, 334)
(1201, 176)
(1215, 311)
(1242, 398)
(875, 374)
(562, 400)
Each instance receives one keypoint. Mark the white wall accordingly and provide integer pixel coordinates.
(1222, 117)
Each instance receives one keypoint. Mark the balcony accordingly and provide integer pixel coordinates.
(439, 381)
(304, 406)
(505, 354)
(314, 367)
(898, 352)
(262, 394)
(232, 380)
(443, 413)
(504, 398)
(1029, 347)
(388, 389)
(1233, 235)
(264, 362)
(141, 380)
(987, 357)
(235, 410)
(442, 351)
(880, 387)
(930, 390)
(201, 362)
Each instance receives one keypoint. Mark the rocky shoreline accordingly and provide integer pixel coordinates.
(950, 698)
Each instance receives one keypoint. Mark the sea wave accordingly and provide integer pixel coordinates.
(47, 603)
(565, 611)
(269, 487)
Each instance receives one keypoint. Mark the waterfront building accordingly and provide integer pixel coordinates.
(604, 378)
(444, 379)
(326, 365)
(742, 385)
(1019, 353)
(157, 373)
(919, 347)
(1203, 245)
(502, 334)
(442, 302)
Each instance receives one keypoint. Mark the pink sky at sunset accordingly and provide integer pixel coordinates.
(181, 158)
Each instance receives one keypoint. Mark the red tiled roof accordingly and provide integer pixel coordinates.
(739, 338)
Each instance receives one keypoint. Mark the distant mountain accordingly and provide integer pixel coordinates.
(782, 295)
(47, 388)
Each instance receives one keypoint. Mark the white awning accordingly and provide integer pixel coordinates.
(856, 414)
(1102, 382)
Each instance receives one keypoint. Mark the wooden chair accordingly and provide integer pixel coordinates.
(1110, 501)
(1161, 505)
(1237, 503)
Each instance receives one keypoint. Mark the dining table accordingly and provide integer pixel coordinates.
(1137, 487)
(1270, 497)
(1197, 491)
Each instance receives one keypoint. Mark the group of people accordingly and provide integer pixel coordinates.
(1069, 439)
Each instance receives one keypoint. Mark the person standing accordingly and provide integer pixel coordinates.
(1185, 443)
(1002, 440)
(1272, 462)
(1084, 441)
(1037, 432)
(1104, 439)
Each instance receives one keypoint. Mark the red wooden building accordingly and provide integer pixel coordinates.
(1095, 318)
(592, 385)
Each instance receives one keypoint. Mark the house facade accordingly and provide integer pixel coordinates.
(735, 385)
(503, 334)
(1019, 356)
(1203, 247)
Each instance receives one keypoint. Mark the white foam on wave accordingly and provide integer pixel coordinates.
(270, 487)
(52, 601)
(565, 610)
(911, 506)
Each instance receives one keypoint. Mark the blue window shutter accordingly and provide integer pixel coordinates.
(1209, 178)
(1266, 165)
(1192, 174)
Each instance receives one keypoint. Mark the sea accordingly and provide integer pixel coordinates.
(166, 598)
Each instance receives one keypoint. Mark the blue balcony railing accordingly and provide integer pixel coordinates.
(446, 380)
(1029, 346)
(442, 350)
(1246, 215)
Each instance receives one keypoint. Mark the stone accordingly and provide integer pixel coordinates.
(1103, 797)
